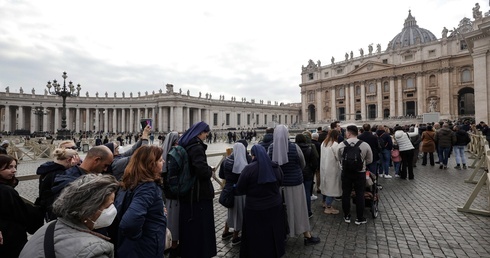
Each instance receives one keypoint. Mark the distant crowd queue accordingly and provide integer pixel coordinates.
(113, 204)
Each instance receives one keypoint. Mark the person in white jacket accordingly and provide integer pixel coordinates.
(406, 150)
(330, 172)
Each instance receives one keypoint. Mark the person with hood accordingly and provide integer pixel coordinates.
(121, 160)
(445, 139)
(197, 237)
(290, 158)
(263, 215)
(171, 200)
(62, 160)
(230, 170)
(16, 216)
(4, 146)
(462, 139)
(406, 150)
(268, 138)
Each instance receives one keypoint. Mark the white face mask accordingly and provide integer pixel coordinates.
(106, 217)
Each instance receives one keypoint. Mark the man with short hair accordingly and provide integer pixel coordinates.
(98, 159)
(322, 133)
(336, 126)
(354, 178)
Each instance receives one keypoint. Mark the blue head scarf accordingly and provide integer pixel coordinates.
(266, 173)
(194, 131)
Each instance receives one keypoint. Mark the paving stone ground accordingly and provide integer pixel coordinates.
(417, 218)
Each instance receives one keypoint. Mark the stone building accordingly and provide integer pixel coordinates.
(417, 73)
(169, 110)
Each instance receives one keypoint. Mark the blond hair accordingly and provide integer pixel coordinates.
(63, 154)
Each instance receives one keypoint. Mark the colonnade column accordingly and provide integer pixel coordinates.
(420, 95)
(333, 106)
(123, 120)
(392, 96)
(33, 121)
(77, 120)
(400, 97)
(138, 118)
(106, 119)
(87, 119)
(131, 120)
(153, 118)
(97, 122)
(21, 123)
(56, 118)
(114, 120)
(160, 119)
(172, 122)
(146, 113)
(363, 100)
(187, 118)
(379, 100)
(199, 117)
(45, 120)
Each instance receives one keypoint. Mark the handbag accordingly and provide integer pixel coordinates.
(227, 197)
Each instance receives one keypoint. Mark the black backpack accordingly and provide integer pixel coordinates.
(381, 142)
(351, 158)
(180, 179)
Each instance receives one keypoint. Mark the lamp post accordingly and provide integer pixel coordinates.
(40, 111)
(63, 92)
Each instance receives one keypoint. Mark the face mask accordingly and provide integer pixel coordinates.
(106, 217)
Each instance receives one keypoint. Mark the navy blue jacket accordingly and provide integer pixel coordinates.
(143, 225)
(293, 174)
(369, 138)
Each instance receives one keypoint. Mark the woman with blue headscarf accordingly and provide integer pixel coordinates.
(263, 230)
(197, 237)
(230, 170)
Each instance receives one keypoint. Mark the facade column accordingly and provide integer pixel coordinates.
(106, 119)
(56, 118)
(379, 104)
(171, 119)
(400, 97)
(363, 100)
(352, 101)
(77, 120)
(333, 106)
(392, 96)
(304, 107)
(319, 105)
(346, 101)
(482, 103)
(21, 123)
(420, 95)
(444, 107)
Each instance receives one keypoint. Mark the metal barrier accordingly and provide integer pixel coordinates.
(484, 179)
(477, 148)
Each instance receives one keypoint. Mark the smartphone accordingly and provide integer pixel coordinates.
(144, 122)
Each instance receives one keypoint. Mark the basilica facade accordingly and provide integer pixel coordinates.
(417, 73)
(169, 110)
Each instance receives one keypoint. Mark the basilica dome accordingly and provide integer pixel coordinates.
(411, 35)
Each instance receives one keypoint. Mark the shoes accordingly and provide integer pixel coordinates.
(396, 175)
(381, 175)
(361, 221)
(347, 218)
(226, 235)
(445, 167)
(313, 197)
(441, 166)
(458, 167)
(236, 241)
(388, 176)
(331, 210)
(464, 166)
(311, 240)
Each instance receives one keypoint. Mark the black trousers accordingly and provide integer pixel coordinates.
(431, 158)
(407, 164)
(356, 180)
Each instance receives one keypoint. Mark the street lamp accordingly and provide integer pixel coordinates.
(63, 92)
(40, 111)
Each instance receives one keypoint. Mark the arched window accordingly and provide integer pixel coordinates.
(386, 87)
(410, 84)
(372, 88)
(432, 80)
(466, 75)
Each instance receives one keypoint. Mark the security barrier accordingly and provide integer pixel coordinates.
(477, 148)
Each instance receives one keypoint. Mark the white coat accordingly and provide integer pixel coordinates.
(330, 179)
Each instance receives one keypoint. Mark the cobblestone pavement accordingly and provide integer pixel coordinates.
(417, 218)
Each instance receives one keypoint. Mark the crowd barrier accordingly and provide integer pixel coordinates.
(481, 153)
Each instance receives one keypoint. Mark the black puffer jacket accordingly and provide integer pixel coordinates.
(445, 138)
(462, 138)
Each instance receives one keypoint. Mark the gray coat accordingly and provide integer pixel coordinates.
(121, 161)
(70, 240)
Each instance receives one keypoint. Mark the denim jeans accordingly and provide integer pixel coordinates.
(443, 155)
(385, 161)
(308, 183)
(396, 165)
(459, 152)
(328, 200)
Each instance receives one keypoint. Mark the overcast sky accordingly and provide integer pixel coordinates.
(251, 49)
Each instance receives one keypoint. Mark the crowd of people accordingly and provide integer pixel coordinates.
(112, 204)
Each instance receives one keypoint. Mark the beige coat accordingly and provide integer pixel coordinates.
(330, 180)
